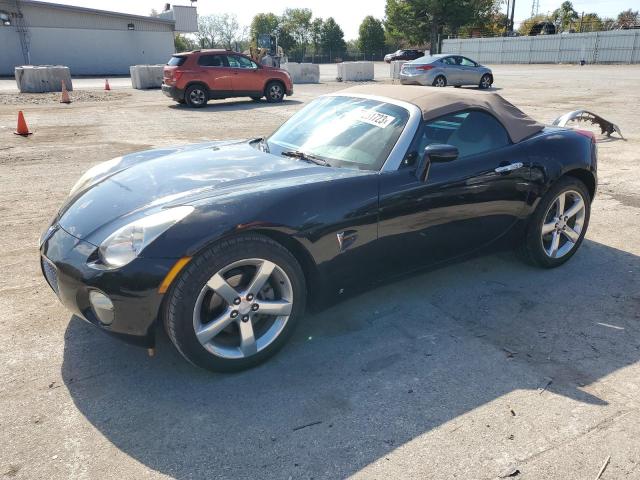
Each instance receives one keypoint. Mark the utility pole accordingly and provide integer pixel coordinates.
(513, 8)
(506, 24)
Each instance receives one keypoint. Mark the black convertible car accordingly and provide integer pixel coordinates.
(226, 243)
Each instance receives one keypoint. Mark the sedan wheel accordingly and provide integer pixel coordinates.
(235, 304)
(485, 81)
(440, 81)
(557, 227)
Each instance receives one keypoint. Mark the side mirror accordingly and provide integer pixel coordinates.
(436, 153)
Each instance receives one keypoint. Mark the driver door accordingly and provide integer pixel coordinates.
(463, 205)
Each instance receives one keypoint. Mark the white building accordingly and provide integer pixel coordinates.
(88, 41)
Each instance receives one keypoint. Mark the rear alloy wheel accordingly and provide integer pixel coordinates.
(440, 81)
(274, 92)
(558, 225)
(235, 305)
(196, 96)
(485, 81)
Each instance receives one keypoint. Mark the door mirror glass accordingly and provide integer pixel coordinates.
(436, 153)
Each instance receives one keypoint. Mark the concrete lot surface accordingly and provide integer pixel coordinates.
(473, 371)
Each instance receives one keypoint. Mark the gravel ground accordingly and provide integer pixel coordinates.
(22, 99)
(472, 371)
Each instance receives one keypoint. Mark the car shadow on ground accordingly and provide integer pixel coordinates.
(228, 106)
(369, 374)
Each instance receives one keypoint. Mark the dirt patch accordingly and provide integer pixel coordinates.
(54, 97)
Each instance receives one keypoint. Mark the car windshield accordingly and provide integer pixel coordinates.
(343, 131)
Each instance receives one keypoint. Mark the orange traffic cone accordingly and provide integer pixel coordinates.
(65, 94)
(22, 126)
(106, 84)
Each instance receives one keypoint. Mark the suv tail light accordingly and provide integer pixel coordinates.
(424, 67)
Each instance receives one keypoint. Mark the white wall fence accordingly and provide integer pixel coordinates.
(616, 46)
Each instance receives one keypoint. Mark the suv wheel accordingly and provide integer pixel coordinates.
(274, 92)
(196, 96)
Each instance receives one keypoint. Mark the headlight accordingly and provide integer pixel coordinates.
(126, 243)
(92, 173)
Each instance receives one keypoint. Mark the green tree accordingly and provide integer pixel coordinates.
(565, 17)
(183, 43)
(229, 29)
(527, 24)
(371, 38)
(424, 20)
(332, 42)
(296, 23)
(315, 34)
(590, 22)
(263, 23)
(208, 35)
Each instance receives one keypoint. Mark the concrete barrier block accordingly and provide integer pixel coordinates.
(42, 78)
(146, 76)
(303, 72)
(355, 71)
(395, 67)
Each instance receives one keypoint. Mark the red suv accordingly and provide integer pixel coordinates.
(196, 77)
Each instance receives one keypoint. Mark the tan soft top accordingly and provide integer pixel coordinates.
(435, 102)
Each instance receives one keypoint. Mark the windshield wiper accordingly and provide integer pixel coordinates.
(306, 157)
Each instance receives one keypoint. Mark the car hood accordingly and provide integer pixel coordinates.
(140, 182)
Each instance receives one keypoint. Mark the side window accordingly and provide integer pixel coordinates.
(448, 61)
(237, 61)
(466, 62)
(472, 131)
(211, 61)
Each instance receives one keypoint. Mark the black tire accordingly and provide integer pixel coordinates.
(196, 96)
(178, 309)
(485, 81)
(532, 249)
(256, 99)
(274, 92)
(440, 81)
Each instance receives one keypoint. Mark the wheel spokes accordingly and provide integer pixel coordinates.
(276, 307)
(555, 244)
(247, 339)
(571, 234)
(577, 206)
(219, 285)
(548, 228)
(263, 273)
(561, 202)
(207, 332)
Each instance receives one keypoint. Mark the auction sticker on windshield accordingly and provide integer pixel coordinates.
(374, 118)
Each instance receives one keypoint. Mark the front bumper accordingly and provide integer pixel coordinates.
(133, 289)
(172, 92)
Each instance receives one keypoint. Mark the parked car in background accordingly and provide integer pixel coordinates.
(444, 69)
(196, 77)
(403, 55)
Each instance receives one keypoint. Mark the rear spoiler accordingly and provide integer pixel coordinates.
(606, 127)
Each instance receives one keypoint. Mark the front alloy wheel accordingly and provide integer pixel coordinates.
(274, 92)
(235, 304)
(243, 308)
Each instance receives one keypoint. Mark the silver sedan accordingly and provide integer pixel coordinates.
(444, 69)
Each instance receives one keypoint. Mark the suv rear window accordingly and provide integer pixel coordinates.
(176, 61)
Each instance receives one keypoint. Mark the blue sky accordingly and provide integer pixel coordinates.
(348, 13)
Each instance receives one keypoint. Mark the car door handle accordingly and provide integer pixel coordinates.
(508, 168)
